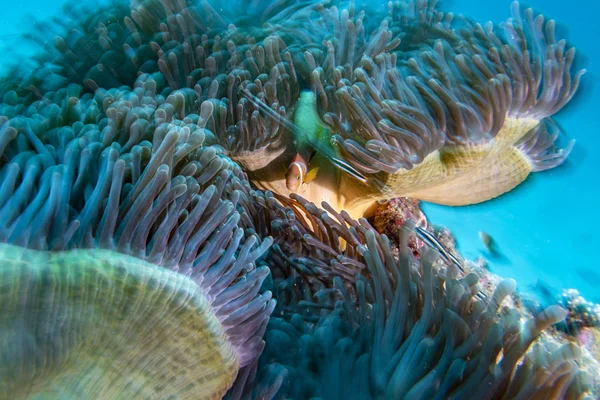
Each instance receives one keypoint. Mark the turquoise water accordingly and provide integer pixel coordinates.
(545, 229)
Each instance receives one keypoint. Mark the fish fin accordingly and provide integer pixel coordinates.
(314, 164)
(311, 174)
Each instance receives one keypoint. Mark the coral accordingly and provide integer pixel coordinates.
(391, 216)
(581, 313)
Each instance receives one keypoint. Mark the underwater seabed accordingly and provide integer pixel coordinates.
(176, 223)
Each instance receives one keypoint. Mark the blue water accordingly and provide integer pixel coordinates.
(19, 17)
(545, 229)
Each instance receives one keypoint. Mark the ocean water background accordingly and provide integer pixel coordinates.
(545, 229)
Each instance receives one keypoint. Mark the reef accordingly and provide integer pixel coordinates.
(582, 313)
(150, 247)
(390, 218)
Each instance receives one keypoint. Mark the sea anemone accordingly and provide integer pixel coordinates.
(417, 102)
(425, 105)
(126, 269)
(140, 260)
(403, 328)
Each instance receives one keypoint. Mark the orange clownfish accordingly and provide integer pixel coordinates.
(301, 171)
(296, 173)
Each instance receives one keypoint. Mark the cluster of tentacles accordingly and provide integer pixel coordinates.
(403, 327)
(421, 103)
(139, 261)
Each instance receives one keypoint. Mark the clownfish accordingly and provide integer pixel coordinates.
(296, 173)
(311, 138)
(310, 135)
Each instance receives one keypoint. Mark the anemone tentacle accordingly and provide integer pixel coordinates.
(404, 327)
